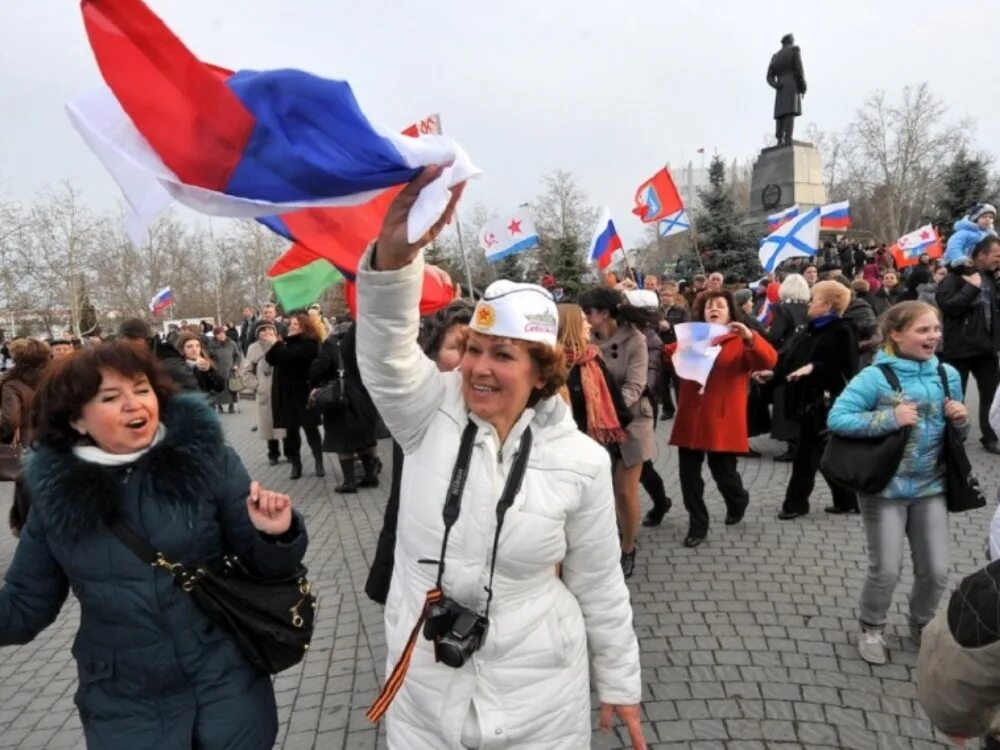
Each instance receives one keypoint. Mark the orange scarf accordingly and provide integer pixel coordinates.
(602, 419)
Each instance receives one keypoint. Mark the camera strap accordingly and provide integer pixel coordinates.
(452, 508)
(453, 500)
(510, 490)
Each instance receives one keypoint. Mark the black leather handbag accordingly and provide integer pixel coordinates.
(961, 488)
(270, 619)
(332, 397)
(866, 465)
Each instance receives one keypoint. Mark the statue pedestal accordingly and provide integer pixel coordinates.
(786, 175)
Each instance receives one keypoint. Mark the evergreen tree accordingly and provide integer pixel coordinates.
(563, 258)
(725, 245)
(964, 183)
(509, 268)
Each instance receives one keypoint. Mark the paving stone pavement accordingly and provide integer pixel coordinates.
(748, 642)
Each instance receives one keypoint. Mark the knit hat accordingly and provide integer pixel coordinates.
(742, 296)
(518, 311)
(642, 298)
(981, 209)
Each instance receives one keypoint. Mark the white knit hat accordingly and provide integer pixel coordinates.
(642, 298)
(517, 311)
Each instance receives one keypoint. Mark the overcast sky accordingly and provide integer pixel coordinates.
(607, 90)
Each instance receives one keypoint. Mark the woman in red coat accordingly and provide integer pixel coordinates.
(713, 420)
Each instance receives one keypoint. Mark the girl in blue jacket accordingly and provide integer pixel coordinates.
(912, 505)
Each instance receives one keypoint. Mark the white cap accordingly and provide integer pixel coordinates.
(517, 311)
(642, 298)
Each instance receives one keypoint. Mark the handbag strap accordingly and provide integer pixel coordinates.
(890, 375)
(944, 380)
(139, 546)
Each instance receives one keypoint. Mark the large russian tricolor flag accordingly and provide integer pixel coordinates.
(245, 144)
(605, 243)
(835, 215)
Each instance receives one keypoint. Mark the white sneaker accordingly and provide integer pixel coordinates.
(871, 646)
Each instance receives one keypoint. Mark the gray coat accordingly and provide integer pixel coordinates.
(785, 76)
(227, 357)
(627, 358)
(257, 377)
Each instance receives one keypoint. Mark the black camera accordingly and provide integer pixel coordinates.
(457, 632)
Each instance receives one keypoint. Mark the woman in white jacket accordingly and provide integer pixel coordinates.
(527, 685)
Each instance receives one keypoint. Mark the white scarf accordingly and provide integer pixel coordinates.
(94, 455)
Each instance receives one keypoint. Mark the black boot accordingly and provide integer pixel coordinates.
(273, 452)
(653, 484)
(296, 467)
(318, 456)
(350, 483)
(372, 466)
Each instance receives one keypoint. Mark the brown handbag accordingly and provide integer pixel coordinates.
(10, 459)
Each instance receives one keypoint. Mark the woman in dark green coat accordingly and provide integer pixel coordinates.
(154, 671)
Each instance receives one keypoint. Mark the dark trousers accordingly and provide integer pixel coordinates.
(783, 128)
(808, 451)
(727, 479)
(652, 482)
(986, 371)
(293, 442)
(273, 449)
(669, 384)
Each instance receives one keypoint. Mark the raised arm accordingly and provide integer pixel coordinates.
(404, 384)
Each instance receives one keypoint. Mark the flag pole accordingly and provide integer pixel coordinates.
(465, 258)
(458, 227)
(694, 241)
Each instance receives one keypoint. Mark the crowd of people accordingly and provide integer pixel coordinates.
(523, 429)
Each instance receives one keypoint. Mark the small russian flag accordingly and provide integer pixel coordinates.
(776, 220)
(161, 301)
(605, 243)
(835, 215)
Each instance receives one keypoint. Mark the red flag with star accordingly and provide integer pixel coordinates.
(906, 251)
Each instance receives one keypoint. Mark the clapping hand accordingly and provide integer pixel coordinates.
(270, 512)
(803, 372)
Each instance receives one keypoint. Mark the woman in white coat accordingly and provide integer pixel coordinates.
(258, 377)
(528, 684)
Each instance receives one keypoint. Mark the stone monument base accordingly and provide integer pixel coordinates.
(783, 176)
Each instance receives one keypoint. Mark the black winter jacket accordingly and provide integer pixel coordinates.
(291, 360)
(154, 671)
(832, 349)
(354, 427)
(966, 333)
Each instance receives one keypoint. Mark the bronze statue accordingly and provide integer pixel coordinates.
(785, 76)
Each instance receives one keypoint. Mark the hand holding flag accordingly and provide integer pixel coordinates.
(394, 249)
